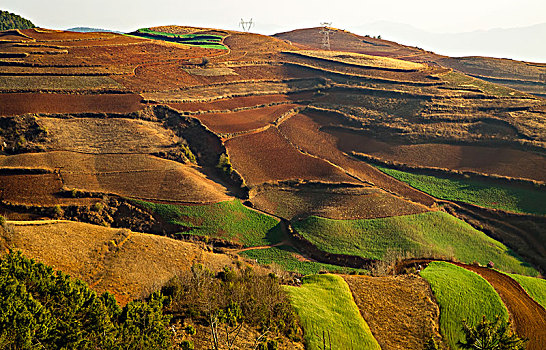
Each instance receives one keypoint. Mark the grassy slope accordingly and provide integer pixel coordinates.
(461, 294)
(431, 233)
(324, 303)
(535, 287)
(284, 256)
(229, 220)
(510, 198)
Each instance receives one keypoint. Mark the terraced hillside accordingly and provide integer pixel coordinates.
(249, 150)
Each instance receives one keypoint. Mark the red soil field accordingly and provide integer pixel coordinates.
(21, 103)
(245, 120)
(499, 160)
(36, 189)
(148, 52)
(129, 175)
(333, 203)
(104, 41)
(238, 102)
(46, 34)
(267, 156)
(305, 131)
(528, 317)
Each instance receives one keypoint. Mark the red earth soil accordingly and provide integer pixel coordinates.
(245, 120)
(36, 189)
(305, 131)
(21, 103)
(239, 102)
(528, 316)
(44, 34)
(500, 160)
(268, 156)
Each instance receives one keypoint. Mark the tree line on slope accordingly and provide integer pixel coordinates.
(10, 20)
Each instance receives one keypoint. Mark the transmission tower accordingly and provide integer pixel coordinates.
(326, 31)
(246, 25)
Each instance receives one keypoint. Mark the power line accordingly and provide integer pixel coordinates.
(326, 31)
(246, 25)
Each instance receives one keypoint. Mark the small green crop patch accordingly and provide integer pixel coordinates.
(229, 220)
(507, 197)
(461, 294)
(328, 312)
(202, 40)
(456, 79)
(535, 287)
(286, 258)
(422, 235)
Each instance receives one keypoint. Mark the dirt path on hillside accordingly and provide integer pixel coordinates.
(528, 317)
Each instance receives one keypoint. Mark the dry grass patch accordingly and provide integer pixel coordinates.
(107, 135)
(128, 264)
(56, 83)
(400, 310)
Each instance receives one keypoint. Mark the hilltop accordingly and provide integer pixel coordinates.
(129, 160)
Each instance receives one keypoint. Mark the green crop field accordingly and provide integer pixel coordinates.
(325, 306)
(202, 40)
(512, 198)
(229, 220)
(461, 294)
(285, 257)
(535, 287)
(422, 235)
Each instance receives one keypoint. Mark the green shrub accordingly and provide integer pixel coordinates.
(224, 164)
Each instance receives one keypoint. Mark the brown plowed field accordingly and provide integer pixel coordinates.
(399, 310)
(36, 189)
(305, 131)
(21, 103)
(499, 160)
(528, 317)
(47, 34)
(244, 120)
(129, 175)
(128, 264)
(333, 203)
(239, 102)
(268, 156)
(107, 135)
(103, 41)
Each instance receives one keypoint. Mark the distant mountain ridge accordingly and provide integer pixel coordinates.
(89, 29)
(10, 20)
(523, 43)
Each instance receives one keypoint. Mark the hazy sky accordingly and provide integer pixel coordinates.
(281, 15)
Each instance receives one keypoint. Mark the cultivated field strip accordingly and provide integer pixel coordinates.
(235, 89)
(129, 175)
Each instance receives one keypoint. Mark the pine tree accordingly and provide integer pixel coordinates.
(487, 335)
